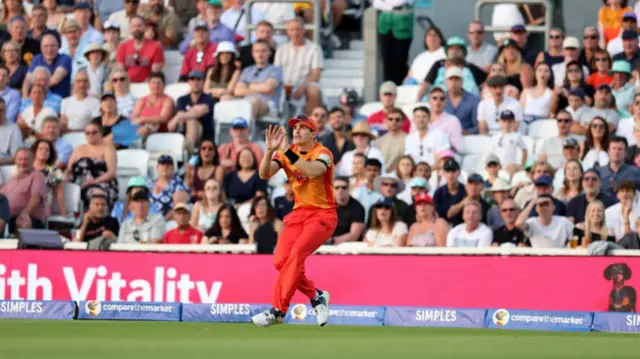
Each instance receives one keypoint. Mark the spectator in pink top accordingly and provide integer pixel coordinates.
(26, 192)
(443, 121)
(153, 112)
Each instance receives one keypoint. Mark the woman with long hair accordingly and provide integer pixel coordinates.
(536, 100)
(601, 62)
(204, 212)
(117, 129)
(243, 184)
(78, 109)
(572, 183)
(595, 226)
(205, 167)
(227, 228)
(386, 229)
(405, 168)
(433, 52)
(359, 177)
(153, 112)
(11, 9)
(429, 230)
(11, 59)
(119, 85)
(121, 210)
(518, 71)
(264, 226)
(594, 149)
(222, 77)
(573, 80)
(44, 161)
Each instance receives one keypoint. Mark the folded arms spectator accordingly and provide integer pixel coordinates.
(59, 66)
(153, 112)
(11, 59)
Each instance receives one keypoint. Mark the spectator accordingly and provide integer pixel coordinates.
(630, 51)
(58, 65)
(10, 96)
(349, 101)
(264, 226)
(116, 129)
(111, 43)
(29, 47)
(536, 100)
(617, 171)
(507, 143)
(499, 192)
(243, 184)
(12, 9)
(554, 54)
(195, 113)
(508, 234)
(526, 191)
(451, 193)
(227, 228)
(143, 226)
(119, 82)
(44, 161)
(228, 152)
(153, 112)
(184, 233)
(595, 227)
(217, 31)
(391, 144)
(78, 109)
(103, 9)
(337, 141)
(30, 121)
(479, 52)
(445, 122)
(185, 10)
(386, 229)
(200, 56)
(351, 214)
(138, 56)
(264, 33)
(601, 62)
(368, 194)
(71, 31)
(97, 225)
(460, 103)
(594, 150)
(199, 16)
(92, 165)
(51, 132)
(359, 177)
(88, 34)
(470, 233)
(362, 137)
(234, 18)
(601, 108)
(589, 47)
(11, 60)
(623, 212)
(284, 204)
(544, 186)
(26, 192)
(622, 87)
(591, 183)
(571, 52)
(577, 107)
(492, 168)
(489, 109)
(55, 14)
(415, 187)
(320, 116)
(223, 76)
(302, 62)
(551, 149)
(574, 80)
(424, 144)
(629, 22)
(122, 211)
(572, 182)
(634, 150)
(429, 230)
(205, 210)
(519, 73)
(421, 64)
(473, 190)
(124, 16)
(166, 23)
(10, 137)
(260, 84)
(377, 120)
(546, 230)
(404, 168)
(205, 166)
(389, 186)
(520, 36)
(167, 188)
(96, 56)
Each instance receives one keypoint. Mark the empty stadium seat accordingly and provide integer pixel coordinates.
(520, 177)
(369, 108)
(407, 94)
(408, 108)
(75, 139)
(476, 144)
(139, 89)
(132, 162)
(73, 204)
(177, 90)
(172, 74)
(543, 128)
(473, 162)
(225, 112)
(173, 57)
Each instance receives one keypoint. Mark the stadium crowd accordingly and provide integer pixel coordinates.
(500, 146)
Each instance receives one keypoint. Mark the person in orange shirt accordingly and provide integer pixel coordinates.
(309, 167)
(601, 62)
(610, 19)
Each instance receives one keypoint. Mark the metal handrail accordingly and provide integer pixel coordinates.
(548, 15)
(315, 27)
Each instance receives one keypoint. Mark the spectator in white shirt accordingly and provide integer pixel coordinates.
(479, 52)
(235, 19)
(434, 51)
(551, 149)
(124, 16)
(386, 229)
(507, 143)
(78, 109)
(424, 144)
(471, 233)
(545, 230)
(490, 109)
(362, 137)
(571, 52)
(626, 211)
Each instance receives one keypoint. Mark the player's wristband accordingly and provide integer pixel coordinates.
(292, 156)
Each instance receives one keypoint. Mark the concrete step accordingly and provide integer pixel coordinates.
(327, 82)
(343, 73)
(356, 45)
(337, 91)
(349, 54)
(343, 63)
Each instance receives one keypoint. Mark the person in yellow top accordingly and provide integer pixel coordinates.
(610, 19)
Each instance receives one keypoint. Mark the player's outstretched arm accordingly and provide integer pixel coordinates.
(313, 168)
(274, 137)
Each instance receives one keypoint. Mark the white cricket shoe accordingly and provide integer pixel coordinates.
(321, 305)
(267, 318)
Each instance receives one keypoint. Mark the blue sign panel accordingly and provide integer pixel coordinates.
(35, 309)
(616, 322)
(338, 315)
(434, 317)
(538, 320)
(94, 309)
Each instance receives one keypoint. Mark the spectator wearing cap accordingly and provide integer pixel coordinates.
(139, 56)
(124, 16)
(30, 120)
(166, 23)
(507, 234)
(415, 186)
(576, 105)
(617, 171)
(111, 42)
(498, 193)
(544, 186)
(492, 169)
(507, 143)
(490, 109)
(96, 57)
(622, 87)
(228, 152)
(10, 137)
(479, 52)
(58, 65)
(571, 52)
(591, 186)
(153, 111)
(553, 55)
(629, 22)
(97, 225)
(167, 188)
(601, 108)
(472, 192)
(624, 212)
(392, 142)
(10, 96)
(551, 149)
(260, 84)
(338, 141)
(521, 37)
(351, 214)
(610, 20)
(424, 144)
(386, 229)
(217, 31)
(195, 112)
(29, 47)
(429, 230)
(526, 191)
(471, 232)
(451, 192)
(362, 137)
(71, 34)
(184, 233)
(518, 72)
(630, 51)
(433, 51)
(88, 34)
(460, 103)
(122, 210)
(264, 31)
(234, 18)
(368, 195)
(388, 96)
(443, 121)
(200, 56)
(79, 108)
(545, 230)
(116, 129)
(144, 226)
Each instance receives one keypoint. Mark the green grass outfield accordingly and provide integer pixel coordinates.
(161, 340)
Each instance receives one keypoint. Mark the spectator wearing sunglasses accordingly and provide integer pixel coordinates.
(629, 22)
(589, 47)
(553, 55)
(392, 143)
(551, 149)
(200, 56)
(377, 120)
(424, 144)
(600, 66)
(508, 234)
(350, 214)
(630, 51)
(479, 52)
(144, 226)
(490, 109)
(195, 112)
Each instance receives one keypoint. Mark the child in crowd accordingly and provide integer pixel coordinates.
(507, 143)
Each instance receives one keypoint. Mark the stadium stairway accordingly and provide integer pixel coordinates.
(344, 70)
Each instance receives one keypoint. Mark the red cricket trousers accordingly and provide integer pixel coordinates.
(305, 230)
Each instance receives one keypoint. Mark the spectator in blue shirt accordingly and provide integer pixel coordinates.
(59, 66)
(217, 31)
(617, 171)
(42, 76)
(10, 96)
(460, 103)
(51, 132)
(88, 34)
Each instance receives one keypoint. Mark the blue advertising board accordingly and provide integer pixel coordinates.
(338, 315)
(98, 310)
(538, 320)
(434, 317)
(37, 309)
(221, 312)
(616, 322)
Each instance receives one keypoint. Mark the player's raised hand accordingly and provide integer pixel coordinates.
(285, 140)
(274, 136)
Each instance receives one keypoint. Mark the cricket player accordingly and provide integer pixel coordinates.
(309, 168)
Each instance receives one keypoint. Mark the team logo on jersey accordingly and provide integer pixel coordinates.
(325, 158)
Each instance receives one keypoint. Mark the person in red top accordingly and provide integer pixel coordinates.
(138, 56)
(377, 120)
(309, 168)
(200, 56)
(185, 233)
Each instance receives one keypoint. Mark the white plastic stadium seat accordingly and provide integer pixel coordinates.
(520, 177)
(75, 139)
(139, 89)
(176, 90)
(243, 213)
(476, 144)
(369, 108)
(169, 143)
(6, 172)
(132, 163)
(473, 162)
(171, 74)
(225, 112)
(173, 57)
(73, 203)
(407, 94)
(625, 129)
(543, 128)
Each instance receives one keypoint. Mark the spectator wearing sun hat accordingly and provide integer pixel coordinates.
(96, 69)
(499, 193)
(362, 138)
(622, 87)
